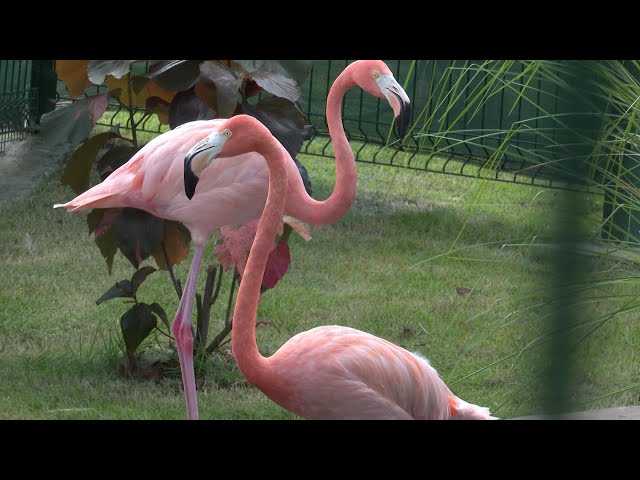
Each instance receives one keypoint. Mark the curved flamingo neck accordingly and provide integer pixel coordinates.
(344, 193)
(252, 364)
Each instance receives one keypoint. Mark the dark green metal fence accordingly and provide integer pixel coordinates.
(448, 136)
(18, 100)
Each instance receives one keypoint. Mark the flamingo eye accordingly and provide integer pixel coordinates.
(375, 74)
(226, 132)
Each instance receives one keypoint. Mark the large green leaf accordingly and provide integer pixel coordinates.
(176, 75)
(99, 69)
(187, 107)
(74, 122)
(77, 171)
(227, 84)
(297, 70)
(137, 234)
(123, 288)
(285, 121)
(136, 324)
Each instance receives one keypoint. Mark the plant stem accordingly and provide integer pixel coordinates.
(176, 283)
(227, 318)
(214, 297)
(228, 321)
(133, 124)
(204, 312)
(165, 334)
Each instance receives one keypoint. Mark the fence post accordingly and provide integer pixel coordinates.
(581, 106)
(44, 78)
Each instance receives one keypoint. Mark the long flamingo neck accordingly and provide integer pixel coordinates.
(344, 193)
(252, 364)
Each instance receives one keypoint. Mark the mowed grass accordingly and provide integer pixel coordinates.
(384, 269)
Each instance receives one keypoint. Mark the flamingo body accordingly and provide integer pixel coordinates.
(328, 372)
(335, 372)
(231, 191)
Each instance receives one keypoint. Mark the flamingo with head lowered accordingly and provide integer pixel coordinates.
(329, 372)
(233, 190)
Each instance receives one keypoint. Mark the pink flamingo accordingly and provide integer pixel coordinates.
(328, 372)
(234, 190)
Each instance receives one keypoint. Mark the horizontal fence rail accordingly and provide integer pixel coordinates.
(464, 121)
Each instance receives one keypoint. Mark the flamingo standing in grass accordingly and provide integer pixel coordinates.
(328, 372)
(234, 190)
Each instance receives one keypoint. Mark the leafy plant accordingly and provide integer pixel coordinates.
(176, 92)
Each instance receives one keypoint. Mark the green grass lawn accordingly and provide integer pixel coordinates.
(384, 269)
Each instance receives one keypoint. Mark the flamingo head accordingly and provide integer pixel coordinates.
(246, 132)
(375, 78)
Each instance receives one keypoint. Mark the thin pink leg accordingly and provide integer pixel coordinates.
(181, 329)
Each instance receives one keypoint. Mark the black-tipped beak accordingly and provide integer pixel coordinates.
(403, 119)
(190, 178)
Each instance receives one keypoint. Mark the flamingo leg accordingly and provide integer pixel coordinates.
(182, 332)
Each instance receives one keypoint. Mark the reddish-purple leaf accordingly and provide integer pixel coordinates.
(234, 247)
(176, 240)
(298, 70)
(227, 84)
(176, 75)
(78, 169)
(283, 119)
(108, 248)
(140, 276)
(206, 91)
(141, 89)
(187, 107)
(136, 324)
(122, 288)
(277, 84)
(277, 265)
(98, 105)
(99, 69)
(113, 159)
(251, 89)
(138, 234)
(160, 107)
(74, 122)
(109, 216)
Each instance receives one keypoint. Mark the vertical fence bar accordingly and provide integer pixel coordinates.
(569, 268)
(44, 79)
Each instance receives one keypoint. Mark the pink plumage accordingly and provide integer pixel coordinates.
(328, 372)
(233, 189)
